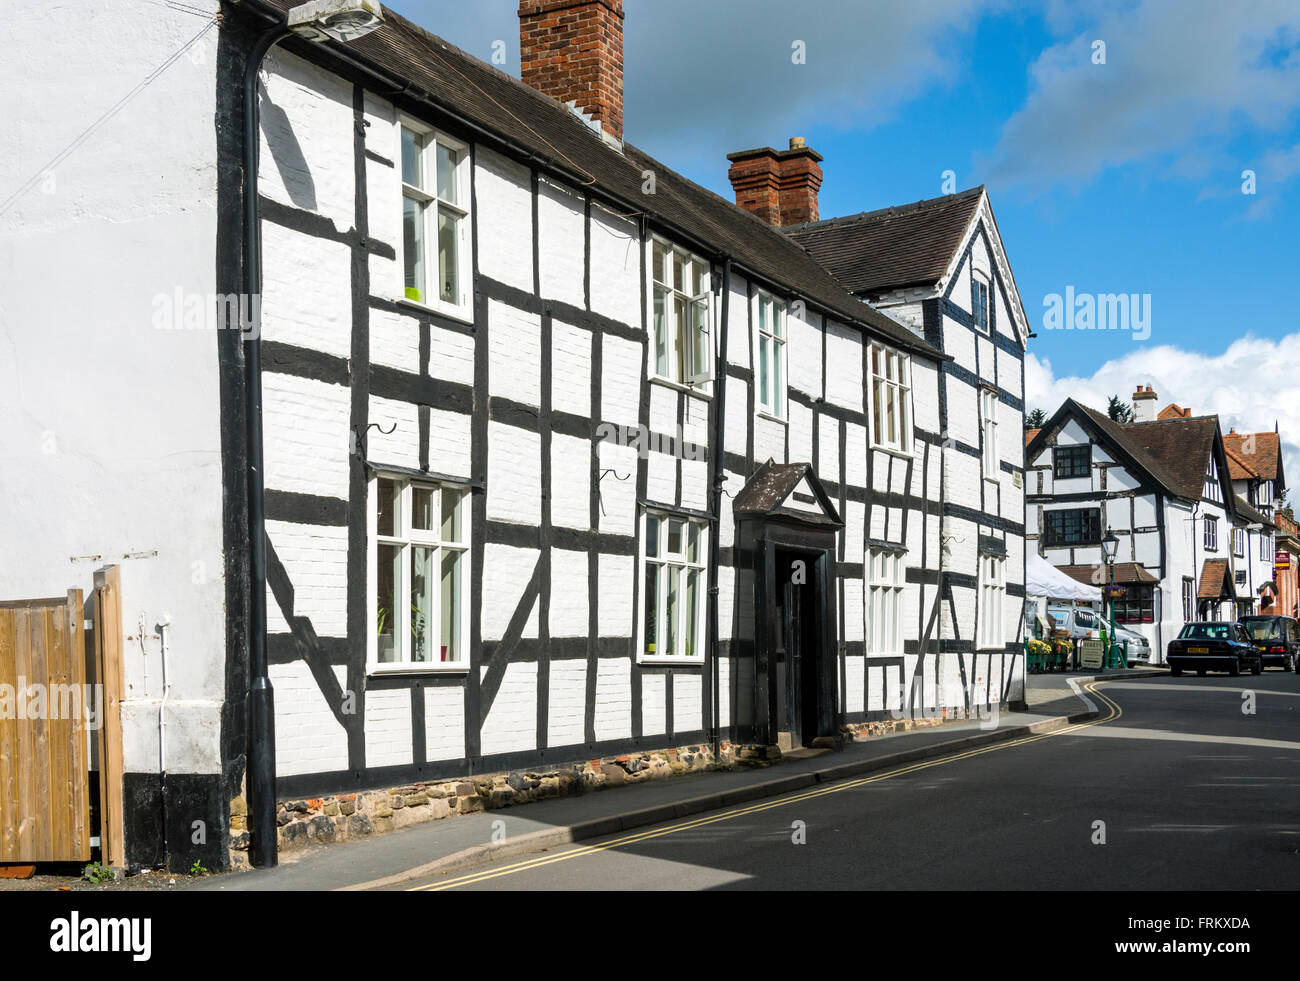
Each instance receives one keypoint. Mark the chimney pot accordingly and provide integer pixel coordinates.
(1144, 404)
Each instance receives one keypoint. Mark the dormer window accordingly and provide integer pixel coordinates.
(680, 315)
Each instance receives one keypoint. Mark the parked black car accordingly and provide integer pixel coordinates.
(1278, 639)
(1214, 646)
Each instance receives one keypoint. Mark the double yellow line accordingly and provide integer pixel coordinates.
(833, 788)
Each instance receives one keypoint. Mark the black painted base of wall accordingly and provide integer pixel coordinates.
(174, 820)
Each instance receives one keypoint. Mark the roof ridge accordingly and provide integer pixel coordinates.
(890, 211)
(553, 136)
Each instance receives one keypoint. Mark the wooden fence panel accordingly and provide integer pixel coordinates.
(108, 662)
(45, 780)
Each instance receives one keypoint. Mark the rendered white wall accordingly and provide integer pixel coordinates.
(105, 415)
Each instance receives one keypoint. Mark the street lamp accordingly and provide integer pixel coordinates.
(1109, 546)
(339, 20)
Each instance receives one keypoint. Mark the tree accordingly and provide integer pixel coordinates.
(1036, 419)
(1119, 410)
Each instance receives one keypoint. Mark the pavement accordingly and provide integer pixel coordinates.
(1176, 785)
(441, 848)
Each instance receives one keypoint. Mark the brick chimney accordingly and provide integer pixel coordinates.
(780, 186)
(572, 50)
(1144, 405)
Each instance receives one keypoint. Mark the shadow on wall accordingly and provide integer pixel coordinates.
(287, 154)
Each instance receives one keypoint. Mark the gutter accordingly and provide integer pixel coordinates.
(261, 697)
(719, 477)
(400, 87)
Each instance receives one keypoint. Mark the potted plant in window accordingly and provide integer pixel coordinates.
(385, 635)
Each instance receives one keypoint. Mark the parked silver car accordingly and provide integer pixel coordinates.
(1138, 647)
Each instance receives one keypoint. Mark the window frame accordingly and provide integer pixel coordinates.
(1239, 542)
(990, 459)
(432, 137)
(694, 378)
(1266, 549)
(883, 585)
(1139, 597)
(667, 560)
(1052, 540)
(1189, 599)
(406, 539)
(779, 338)
(1062, 453)
(980, 298)
(991, 603)
(897, 395)
(1210, 532)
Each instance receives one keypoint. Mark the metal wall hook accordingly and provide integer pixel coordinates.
(601, 476)
(359, 439)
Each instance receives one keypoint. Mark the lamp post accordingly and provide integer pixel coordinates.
(1109, 546)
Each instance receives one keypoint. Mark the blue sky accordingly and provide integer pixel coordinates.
(1115, 177)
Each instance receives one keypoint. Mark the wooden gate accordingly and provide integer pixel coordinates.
(44, 766)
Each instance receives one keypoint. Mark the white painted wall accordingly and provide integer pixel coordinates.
(105, 415)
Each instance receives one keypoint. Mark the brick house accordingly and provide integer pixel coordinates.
(561, 455)
(1284, 571)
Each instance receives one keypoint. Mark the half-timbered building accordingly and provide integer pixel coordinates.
(1194, 542)
(563, 456)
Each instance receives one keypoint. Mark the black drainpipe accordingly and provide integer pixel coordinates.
(718, 461)
(261, 698)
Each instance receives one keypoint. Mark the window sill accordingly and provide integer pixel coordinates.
(669, 660)
(771, 418)
(381, 670)
(459, 314)
(699, 393)
(892, 451)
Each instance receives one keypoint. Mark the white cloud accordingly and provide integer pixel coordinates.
(1251, 386)
(1180, 79)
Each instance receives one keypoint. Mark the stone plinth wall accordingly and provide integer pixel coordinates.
(344, 817)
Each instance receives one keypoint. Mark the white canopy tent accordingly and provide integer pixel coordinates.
(1042, 579)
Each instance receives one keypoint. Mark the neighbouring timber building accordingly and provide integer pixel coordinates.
(1194, 509)
(565, 456)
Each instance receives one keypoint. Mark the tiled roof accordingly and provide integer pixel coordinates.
(1174, 451)
(1264, 451)
(1238, 469)
(1126, 574)
(1244, 509)
(911, 245)
(1149, 448)
(1215, 581)
(1183, 447)
(772, 483)
(1173, 411)
(1030, 434)
(538, 125)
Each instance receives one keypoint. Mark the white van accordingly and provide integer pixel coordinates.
(1079, 622)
